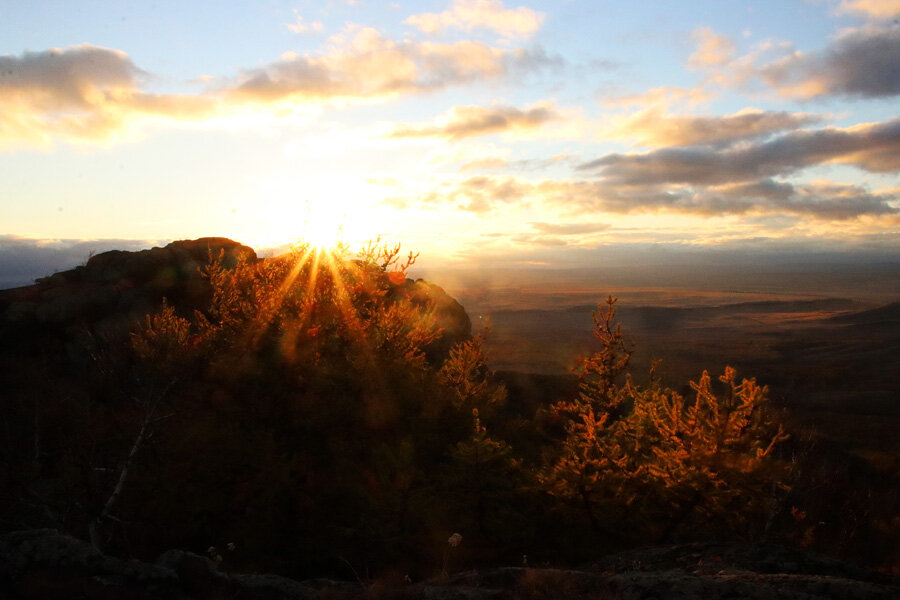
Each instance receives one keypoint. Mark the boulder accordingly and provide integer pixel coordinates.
(46, 564)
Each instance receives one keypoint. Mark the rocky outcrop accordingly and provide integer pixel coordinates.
(753, 571)
(119, 285)
(47, 565)
(44, 564)
(115, 289)
(681, 572)
(449, 315)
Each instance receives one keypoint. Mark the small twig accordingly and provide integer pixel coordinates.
(355, 574)
(163, 418)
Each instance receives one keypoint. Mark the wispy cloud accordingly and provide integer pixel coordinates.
(569, 228)
(479, 194)
(823, 201)
(480, 14)
(712, 49)
(874, 9)
(660, 97)
(300, 25)
(468, 121)
(656, 128)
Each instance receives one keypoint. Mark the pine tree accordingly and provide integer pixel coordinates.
(593, 464)
(484, 471)
(712, 457)
(648, 458)
(465, 371)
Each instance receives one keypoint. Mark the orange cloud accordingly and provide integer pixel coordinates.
(661, 97)
(875, 9)
(89, 93)
(713, 49)
(480, 14)
(81, 93)
(370, 66)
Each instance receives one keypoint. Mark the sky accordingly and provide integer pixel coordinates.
(516, 133)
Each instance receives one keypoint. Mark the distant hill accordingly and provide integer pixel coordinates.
(890, 313)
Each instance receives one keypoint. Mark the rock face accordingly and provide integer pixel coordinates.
(738, 571)
(118, 285)
(450, 315)
(42, 564)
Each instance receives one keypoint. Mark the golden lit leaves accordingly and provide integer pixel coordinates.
(466, 372)
(310, 305)
(624, 441)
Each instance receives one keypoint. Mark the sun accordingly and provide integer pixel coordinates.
(318, 223)
(320, 211)
(321, 224)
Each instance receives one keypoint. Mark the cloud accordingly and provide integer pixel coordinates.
(654, 127)
(822, 201)
(493, 162)
(468, 121)
(827, 201)
(661, 97)
(569, 228)
(89, 93)
(539, 240)
(874, 9)
(863, 62)
(713, 49)
(479, 194)
(370, 66)
(480, 14)
(80, 93)
(301, 26)
(873, 147)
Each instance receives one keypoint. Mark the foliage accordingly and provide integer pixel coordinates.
(484, 473)
(633, 454)
(307, 398)
(466, 372)
(311, 410)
